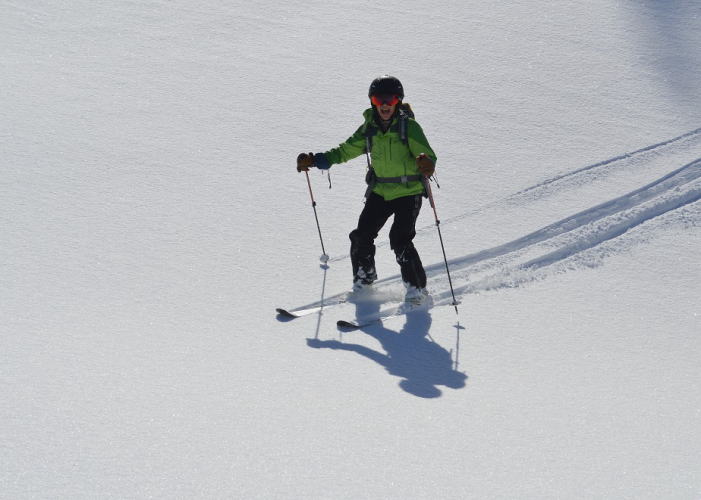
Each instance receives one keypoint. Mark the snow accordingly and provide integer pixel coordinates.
(152, 221)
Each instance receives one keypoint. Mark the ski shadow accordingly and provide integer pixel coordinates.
(411, 354)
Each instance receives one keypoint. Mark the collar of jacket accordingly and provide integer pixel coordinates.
(372, 120)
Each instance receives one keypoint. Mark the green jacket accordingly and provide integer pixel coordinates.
(390, 156)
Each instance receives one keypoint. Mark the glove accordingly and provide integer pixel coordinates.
(304, 161)
(321, 162)
(425, 165)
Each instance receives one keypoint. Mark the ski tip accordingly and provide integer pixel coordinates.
(347, 325)
(284, 313)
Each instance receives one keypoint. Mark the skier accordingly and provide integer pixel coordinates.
(400, 160)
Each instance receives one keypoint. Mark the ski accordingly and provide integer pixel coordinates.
(306, 310)
(357, 296)
(389, 313)
(298, 313)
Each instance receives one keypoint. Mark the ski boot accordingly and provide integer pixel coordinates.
(364, 279)
(414, 295)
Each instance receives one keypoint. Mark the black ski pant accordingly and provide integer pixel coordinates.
(372, 219)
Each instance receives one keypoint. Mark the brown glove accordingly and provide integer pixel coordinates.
(305, 161)
(425, 165)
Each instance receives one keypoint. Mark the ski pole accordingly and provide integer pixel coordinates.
(324, 257)
(440, 236)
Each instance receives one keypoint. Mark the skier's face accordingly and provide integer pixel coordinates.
(385, 105)
(386, 110)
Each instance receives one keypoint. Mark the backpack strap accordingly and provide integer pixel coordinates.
(405, 112)
(403, 126)
(399, 180)
(370, 176)
(370, 132)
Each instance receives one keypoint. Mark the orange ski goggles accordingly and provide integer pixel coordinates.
(379, 100)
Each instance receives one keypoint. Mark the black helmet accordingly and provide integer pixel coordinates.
(386, 84)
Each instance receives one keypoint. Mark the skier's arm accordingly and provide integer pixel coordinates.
(418, 143)
(382, 359)
(353, 147)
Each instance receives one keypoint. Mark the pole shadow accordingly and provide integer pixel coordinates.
(325, 267)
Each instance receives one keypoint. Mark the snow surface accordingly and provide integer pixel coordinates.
(152, 220)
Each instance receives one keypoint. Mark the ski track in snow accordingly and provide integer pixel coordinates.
(521, 260)
(591, 173)
(678, 142)
(555, 247)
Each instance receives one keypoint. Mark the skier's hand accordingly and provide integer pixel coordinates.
(425, 165)
(305, 161)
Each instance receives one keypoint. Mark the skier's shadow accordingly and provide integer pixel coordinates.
(410, 354)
